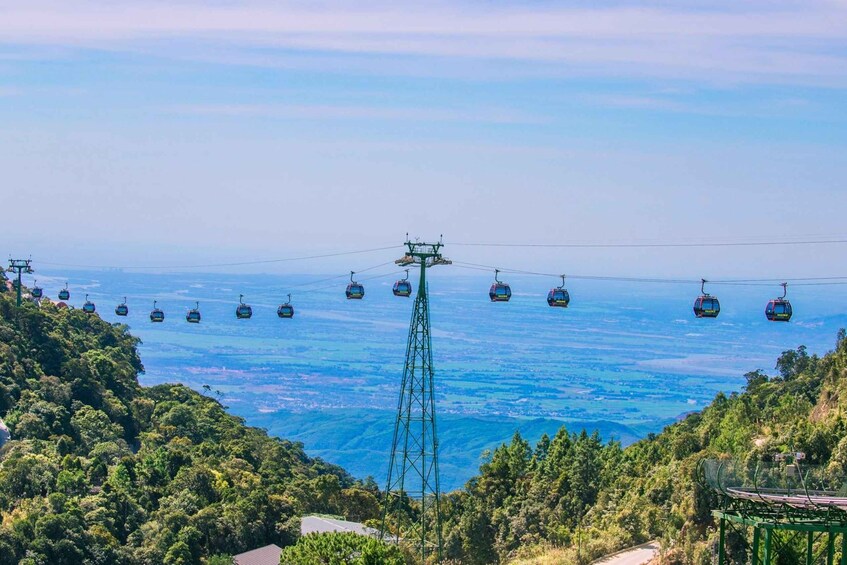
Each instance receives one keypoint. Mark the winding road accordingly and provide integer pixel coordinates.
(638, 555)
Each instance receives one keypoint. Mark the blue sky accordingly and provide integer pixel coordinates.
(148, 132)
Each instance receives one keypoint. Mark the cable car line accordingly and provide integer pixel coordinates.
(333, 278)
(370, 278)
(234, 264)
(706, 305)
(803, 281)
(651, 245)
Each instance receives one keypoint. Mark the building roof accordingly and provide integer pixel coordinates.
(268, 555)
(318, 524)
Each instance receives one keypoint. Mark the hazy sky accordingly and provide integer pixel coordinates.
(146, 132)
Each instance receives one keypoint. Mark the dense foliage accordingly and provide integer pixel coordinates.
(101, 470)
(572, 498)
(341, 549)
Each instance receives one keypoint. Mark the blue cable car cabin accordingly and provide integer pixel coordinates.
(499, 291)
(243, 311)
(354, 291)
(36, 290)
(285, 310)
(706, 305)
(88, 307)
(559, 297)
(156, 315)
(122, 309)
(403, 287)
(65, 294)
(779, 309)
(193, 315)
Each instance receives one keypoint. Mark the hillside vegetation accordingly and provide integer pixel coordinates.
(572, 498)
(102, 471)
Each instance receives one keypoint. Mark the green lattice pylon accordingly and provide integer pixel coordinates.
(413, 466)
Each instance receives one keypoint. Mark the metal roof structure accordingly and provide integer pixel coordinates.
(800, 510)
(268, 555)
(321, 524)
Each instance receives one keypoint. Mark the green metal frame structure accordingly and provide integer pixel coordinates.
(20, 266)
(413, 466)
(767, 551)
(791, 509)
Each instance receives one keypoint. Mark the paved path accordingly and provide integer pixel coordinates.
(638, 555)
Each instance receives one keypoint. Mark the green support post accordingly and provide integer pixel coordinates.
(830, 548)
(755, 556)
(810, 543)
(413, 466)
(843, 548)
(768, 555)
(721, 541)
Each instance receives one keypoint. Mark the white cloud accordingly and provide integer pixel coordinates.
(737, 41)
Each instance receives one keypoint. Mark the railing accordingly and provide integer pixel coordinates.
(786, 482)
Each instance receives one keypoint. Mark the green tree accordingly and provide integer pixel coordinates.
(340, 549)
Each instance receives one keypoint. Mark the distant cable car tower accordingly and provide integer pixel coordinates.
(413, 467)
(19, 266)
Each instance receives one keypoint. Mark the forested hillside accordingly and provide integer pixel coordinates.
(102, 471)
(572, 496)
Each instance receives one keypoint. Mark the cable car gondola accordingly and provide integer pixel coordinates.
(559, 297)
(354, 291)
(65, 294)
(193, 315)
(156, 315)
(36, 290)
(243, 311)
(285, 310)
(403, 287)
(499, 291)
(706, 305)
(88, 307)
(122, 309)
(779, 309)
